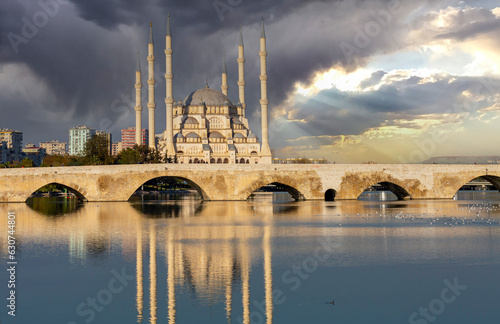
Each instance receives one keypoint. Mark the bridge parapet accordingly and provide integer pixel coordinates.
(237, 182)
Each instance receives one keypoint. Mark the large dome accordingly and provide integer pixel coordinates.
(207, 96)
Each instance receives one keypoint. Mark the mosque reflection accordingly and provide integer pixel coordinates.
(199, 258)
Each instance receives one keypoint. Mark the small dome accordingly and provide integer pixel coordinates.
(179, 135)
(207, 96)
(252, 135)
(216, 135)
(191, 120)
(192, 135)
(238, 135)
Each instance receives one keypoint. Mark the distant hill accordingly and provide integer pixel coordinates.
(463, 160)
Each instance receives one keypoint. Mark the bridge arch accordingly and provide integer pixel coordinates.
(289, 187)
(492, 179)
(75, 189)
(192, 183)
(400, 192)
(354, 184)
(330, 195)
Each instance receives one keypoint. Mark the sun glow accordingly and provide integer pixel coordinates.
(334, 79)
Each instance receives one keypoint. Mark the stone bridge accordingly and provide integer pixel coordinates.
(238, 182)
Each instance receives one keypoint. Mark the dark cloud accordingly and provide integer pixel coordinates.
(352, 113)
(373, 80)
(84, 57)
(111, 13)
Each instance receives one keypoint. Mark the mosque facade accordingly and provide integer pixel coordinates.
(207, 127)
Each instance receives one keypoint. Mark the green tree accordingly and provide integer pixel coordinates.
(139, 154)
(144, 153)
(26, 163)
(97, 151)
(128, 156)
(169, 159)
(61, 160)
(155, 156)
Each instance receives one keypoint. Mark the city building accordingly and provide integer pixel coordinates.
(108, 139)
(54, 147)
(129, 140)
(3, 152)
(14, 143)
(208, 126)
(78, 137)
(34, 153)
(116, 148)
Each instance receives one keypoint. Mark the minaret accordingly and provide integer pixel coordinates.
(241, 72)
(169, 99)
(138, 106)
(265, 151)
(151, 90)
(224, 85)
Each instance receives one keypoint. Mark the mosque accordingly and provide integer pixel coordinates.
(207, 127)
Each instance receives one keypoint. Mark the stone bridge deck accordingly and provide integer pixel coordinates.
(238, 182)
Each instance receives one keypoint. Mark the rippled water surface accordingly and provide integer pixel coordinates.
(265, 260)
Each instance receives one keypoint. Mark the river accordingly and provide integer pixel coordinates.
(264, 260)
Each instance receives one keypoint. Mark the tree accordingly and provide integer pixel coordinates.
(128, 156)
(61, 160)
(26, 163)
(139, 154)
(144, 153)
(169, 159)
(155, 156)
(97, 151)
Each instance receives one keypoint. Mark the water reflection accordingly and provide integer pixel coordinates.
(54, 206)
(225, 255)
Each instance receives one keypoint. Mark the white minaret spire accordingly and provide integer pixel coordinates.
(169, 99)
(224, 85)
(151, 90)
(241, 72)
(138, 106)
(265, 151)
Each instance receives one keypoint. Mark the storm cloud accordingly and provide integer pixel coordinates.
(77, 65)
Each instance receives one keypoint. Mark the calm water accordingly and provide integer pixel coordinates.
(189, 261)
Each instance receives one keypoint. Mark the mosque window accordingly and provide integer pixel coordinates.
(194, 150)
(219, 149)
(215, 123)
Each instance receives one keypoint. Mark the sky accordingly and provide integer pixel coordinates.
(352, 81)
